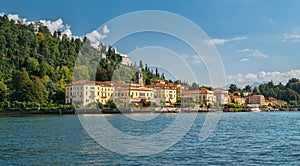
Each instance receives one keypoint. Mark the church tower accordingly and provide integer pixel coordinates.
(139, 77)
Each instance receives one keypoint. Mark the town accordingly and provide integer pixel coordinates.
(160, 94)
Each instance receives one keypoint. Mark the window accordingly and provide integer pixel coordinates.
(92, 93)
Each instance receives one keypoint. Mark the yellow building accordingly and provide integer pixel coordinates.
(105, 91)
(165, 93)
(84, 92)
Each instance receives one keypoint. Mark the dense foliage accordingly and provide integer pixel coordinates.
(289, 92)
(35, 64)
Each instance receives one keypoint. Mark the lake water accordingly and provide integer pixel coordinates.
(269, 138)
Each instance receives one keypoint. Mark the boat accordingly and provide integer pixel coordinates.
(254, 108)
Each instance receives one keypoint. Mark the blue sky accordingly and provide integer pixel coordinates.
(258, 40)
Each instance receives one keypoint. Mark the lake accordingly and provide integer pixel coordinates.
(268, 138)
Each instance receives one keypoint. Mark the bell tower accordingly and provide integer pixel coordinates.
(139, 77)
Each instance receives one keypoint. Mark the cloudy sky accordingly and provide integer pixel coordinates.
(257, 40)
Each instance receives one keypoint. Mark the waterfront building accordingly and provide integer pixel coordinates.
(201, 96)
(257, 99)
(104, 91)
(271, 101)
(165, 93)
(84, 92)
(237, 99)
(221, 96)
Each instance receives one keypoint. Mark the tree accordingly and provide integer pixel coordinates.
(141, 64)
(148, 81)
(32, 65)
(256, 91)
(81, 73)
(156, 72)
(3, 92)
(44, 68)
(163, 76)
(39, 92)
(195, 86)
(233, 88)
(18, 84)
(247, 88)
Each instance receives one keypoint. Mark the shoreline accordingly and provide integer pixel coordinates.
(37, 112)
(128, 111)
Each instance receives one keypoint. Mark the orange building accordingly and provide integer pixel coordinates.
(257, 99)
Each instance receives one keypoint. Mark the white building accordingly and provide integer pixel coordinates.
(221, 96)
(125, 60)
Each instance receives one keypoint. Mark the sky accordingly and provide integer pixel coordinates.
(257, 40)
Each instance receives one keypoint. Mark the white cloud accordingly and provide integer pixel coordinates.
(2, 14)
(196, 59)
(263, 76)
(294, 36)
(53, 25)
(68, 32)
(105, 29)
(223, 41)
(95, 37)
(13, 17)
(253, 52)
(58, 25)
(244, 60)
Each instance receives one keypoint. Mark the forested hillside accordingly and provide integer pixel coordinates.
(35, 64)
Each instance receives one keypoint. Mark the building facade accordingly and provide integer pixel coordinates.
(257, 99)
(84, 92)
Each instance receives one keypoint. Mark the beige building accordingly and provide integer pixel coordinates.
(165, 93)
(202, 96)
(257, 99)
(221, 96)
(132, 93)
